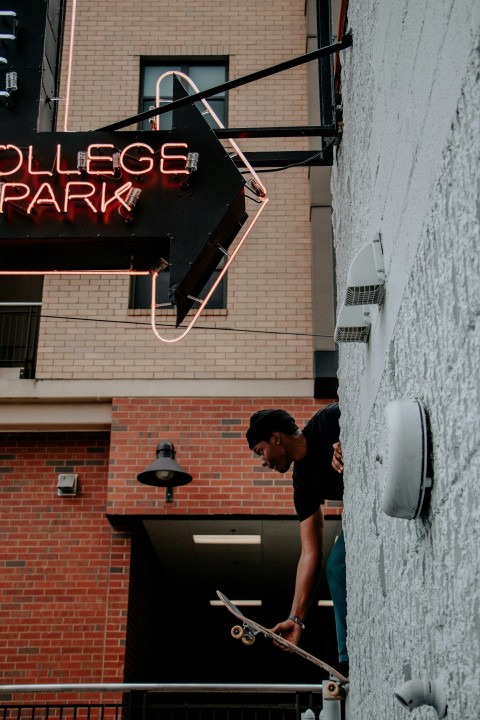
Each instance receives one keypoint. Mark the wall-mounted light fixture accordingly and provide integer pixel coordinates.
(67, 485)
(165, 472)
(403, 459)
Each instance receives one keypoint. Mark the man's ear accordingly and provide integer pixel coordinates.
(276, 437)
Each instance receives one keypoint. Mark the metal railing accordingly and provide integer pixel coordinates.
(19, 324)
(164, 702)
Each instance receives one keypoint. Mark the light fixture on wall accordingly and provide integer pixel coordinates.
(365, 287)
(403, 459)
(165, 472)
(67, 485)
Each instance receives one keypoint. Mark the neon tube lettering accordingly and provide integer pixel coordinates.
(167, 158)
(49, 200)
(58, 169)
(93, 159)
(104, 203)
(140, 159)
(31, 171)
(4, 197)
(70, 194)
(20, 159)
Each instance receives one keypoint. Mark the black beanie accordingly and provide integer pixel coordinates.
(265, 422)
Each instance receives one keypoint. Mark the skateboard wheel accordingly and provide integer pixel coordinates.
(334, 690)
(248, 639)
(237, 632)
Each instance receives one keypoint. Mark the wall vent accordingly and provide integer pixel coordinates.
(366, 277)
(353, 324)
(365, 287)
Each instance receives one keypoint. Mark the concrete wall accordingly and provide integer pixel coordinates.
(408, 168)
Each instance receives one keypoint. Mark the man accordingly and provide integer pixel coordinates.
(316, 454)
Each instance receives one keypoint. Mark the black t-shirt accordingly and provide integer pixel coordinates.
(314, 479)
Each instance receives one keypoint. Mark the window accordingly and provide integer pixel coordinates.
(20, 307)
(205, 74)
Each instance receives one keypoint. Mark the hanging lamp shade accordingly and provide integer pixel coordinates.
(164, 472)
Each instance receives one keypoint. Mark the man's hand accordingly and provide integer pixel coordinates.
(337, 461)
(289, 630)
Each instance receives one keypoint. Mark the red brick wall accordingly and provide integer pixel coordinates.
(64, 570)
(209, 439)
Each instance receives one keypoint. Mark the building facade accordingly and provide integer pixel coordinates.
(82, 585)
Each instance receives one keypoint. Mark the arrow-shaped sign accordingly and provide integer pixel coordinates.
(122, 202)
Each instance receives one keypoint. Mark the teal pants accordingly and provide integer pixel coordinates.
(337, 582)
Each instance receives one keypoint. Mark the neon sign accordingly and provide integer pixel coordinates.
(65, 199)
(30, 188)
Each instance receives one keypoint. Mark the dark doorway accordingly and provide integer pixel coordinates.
(175, 635)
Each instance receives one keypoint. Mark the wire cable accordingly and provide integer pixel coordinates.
(167, 325)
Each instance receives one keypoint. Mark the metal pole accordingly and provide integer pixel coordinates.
(164, 687)
(252, 77)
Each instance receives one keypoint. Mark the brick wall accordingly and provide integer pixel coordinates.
(64, 576)
(209, 438)
(65, 569)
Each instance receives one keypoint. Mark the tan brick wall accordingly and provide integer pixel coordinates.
(269, 285)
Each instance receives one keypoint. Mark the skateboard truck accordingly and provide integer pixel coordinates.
(245, 634)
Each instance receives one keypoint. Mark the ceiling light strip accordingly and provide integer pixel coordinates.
(227, 539)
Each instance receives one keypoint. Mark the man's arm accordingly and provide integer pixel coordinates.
(311, 536)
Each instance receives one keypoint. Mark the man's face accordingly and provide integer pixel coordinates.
(273, 454)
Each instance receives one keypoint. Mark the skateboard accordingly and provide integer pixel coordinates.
(247, 631)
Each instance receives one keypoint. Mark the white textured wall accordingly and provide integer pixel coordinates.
(408, 166)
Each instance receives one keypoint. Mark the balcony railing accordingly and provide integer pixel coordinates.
(19, 323)
(164, 702)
